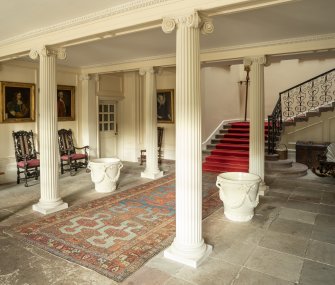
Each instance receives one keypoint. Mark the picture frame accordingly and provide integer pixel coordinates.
(65, 103)
(165, 106)
(17, 102)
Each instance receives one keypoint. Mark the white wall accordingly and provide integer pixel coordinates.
(167, 80)
(222, 96)
(26, 72)
(280, 76)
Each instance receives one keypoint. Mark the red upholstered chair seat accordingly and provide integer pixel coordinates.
(74, 156)
(30, 163)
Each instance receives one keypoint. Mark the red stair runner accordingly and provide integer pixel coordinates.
(232, 152)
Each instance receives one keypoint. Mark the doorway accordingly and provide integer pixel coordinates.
(107, 128)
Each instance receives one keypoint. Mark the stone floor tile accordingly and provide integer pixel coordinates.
(251, 277)
(297, 215)
(326, 209)
(305, 195)
(328, 198)
(294, 228)
(281, 189)
(285, 243)
(237, 253)
(163, 264)
(314, 273)
(280, 265)
(324, 221)
(321, 251)
(242, 232)
(177, 281)
(210, 272)
(325, 234)
(147, 276)
(276, 193)
(304, 206)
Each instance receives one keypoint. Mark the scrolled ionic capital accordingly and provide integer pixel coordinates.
(260, 59)
(45, 51)
(85, 77)
(144, 70)
(194, 20)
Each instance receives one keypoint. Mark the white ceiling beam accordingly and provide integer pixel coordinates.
(135, 16)
(277, 48)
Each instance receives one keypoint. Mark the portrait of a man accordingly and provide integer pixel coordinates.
(65, 103)
(165, 106)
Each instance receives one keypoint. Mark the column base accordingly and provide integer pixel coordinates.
(263, 189)
(48, 208)
(152, 175)
(174, 254)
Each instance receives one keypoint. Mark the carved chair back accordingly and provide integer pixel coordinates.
(68, 155)
(26, 156)
(24, 145)
(65, 142)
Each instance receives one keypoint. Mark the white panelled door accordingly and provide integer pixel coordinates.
(107, 128)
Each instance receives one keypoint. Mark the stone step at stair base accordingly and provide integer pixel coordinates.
(278, 164)
(296, 170)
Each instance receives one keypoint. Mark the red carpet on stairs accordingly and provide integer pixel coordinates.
(231, 153)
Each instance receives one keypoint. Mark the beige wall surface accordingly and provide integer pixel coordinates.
(24, 72)
(222, 100)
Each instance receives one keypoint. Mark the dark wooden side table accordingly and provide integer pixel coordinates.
(307, 153)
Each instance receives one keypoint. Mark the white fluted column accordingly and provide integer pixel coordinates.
(50, 200)
(150, 117)
(88, 113)
(188, 246)
(257, 141)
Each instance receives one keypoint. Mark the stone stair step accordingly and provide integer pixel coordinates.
(278, 164)
(296, 170)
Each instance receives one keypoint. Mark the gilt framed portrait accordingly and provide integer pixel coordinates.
(17, 102)
(165, 106)
(65, 103)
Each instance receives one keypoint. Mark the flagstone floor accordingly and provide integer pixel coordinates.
(290, 240)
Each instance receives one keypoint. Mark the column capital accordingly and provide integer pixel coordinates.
(85, 77)
(259, 59)
(150, 69)
(194, 20)
(46, 51)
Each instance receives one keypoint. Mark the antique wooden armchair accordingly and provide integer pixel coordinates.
(326, 162)
(68, 155)
(27, 162)
(160, 132)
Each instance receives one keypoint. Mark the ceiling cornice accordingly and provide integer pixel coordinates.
(120, 9)
(132, 16)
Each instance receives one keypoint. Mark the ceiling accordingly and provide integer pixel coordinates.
(297, 19)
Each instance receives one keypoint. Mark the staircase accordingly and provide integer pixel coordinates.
(229, 150)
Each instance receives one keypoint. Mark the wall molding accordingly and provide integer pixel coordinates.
(92, 17)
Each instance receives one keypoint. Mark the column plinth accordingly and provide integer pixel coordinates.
(188, 246)
(257, 140)
(150, 110)
(50, 200)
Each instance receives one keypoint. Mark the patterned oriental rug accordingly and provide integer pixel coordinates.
(117, 234)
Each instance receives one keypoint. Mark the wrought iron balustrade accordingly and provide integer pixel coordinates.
(297, 101)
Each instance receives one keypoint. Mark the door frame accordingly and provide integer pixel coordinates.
(113, 101)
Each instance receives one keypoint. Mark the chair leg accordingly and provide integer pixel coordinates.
(61, 167)
(26, 178)
(36, 173)
(18, 176)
